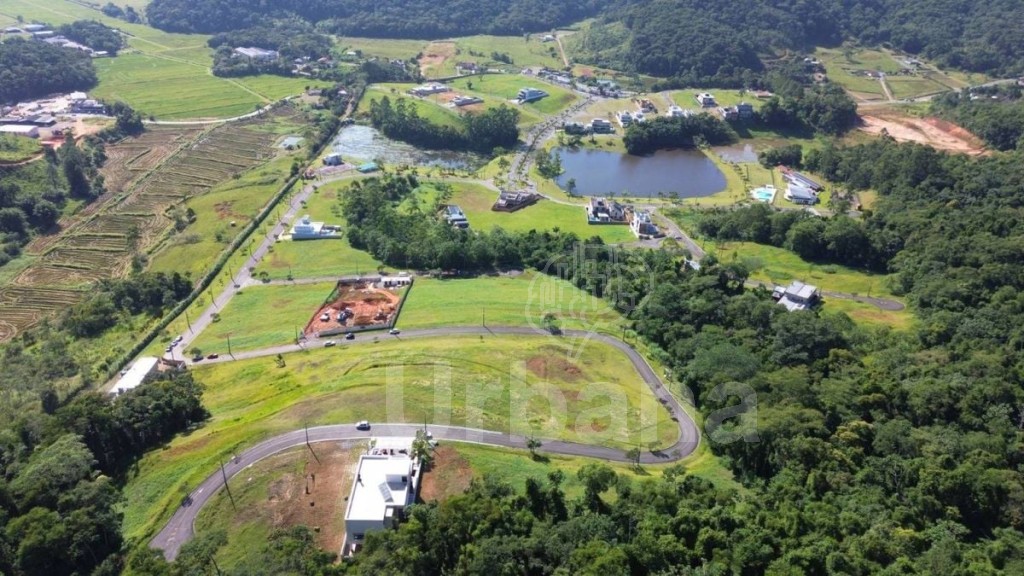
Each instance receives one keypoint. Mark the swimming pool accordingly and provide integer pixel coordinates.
(763, 194)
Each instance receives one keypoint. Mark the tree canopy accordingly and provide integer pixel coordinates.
(34, 69)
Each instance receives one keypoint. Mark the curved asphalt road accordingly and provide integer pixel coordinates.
(179, 529)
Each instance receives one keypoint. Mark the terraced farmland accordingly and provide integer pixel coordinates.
(147, 177)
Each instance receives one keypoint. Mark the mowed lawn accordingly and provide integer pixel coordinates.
(525, 384)
(522, 300)
(170, 89)
(507, 86)
(263, 316)
(476, 201)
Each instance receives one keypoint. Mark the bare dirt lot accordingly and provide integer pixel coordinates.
(435, 55)
(449, 474)
(367, 306)
(939, 134)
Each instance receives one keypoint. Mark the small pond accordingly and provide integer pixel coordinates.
(367, 144)
(688, 173)
(737, 153)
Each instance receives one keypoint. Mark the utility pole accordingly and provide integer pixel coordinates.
(187, 322)
(229, 347)
(483, 316)
(226, 486)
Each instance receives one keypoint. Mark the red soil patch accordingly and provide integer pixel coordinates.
(368, 306)
(449, 475)
(939, 134)
(554, 368)
(435, 55)
(224, 211)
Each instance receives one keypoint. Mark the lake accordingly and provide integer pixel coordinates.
(598, 172)
(367, 143)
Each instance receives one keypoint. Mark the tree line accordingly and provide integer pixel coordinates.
(397, 19)
(61, 472)
(30, 69)
(479, 132)
(94, 35)
(679, 132)
(716, 43)
(994, 113)
(291, 38)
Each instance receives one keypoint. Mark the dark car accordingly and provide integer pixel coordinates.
(212, 356)
(350, 336)
(364, 425)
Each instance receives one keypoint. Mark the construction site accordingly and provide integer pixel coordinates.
(358, 305)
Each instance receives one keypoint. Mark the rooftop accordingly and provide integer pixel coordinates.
(135, 375)
(383, 480)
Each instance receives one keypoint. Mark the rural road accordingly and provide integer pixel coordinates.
(180, 528)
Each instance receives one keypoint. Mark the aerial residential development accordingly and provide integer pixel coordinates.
(523, 287)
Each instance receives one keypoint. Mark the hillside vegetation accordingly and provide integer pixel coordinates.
(395, 19)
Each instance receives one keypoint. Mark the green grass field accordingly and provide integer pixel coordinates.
(524, 52)
(431, 110)
(238, 200)
(505, 301)
(913, 86)
(476, 201)
(723, 97)
(17, 148)
(383, 47)
(778, 265)
(262, 316)
(505, 87)
(474, 381)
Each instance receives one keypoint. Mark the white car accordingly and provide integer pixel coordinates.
(330, 343)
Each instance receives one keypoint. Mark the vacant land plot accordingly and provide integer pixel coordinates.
(486, 382)
(262, 316)
(524, 51)
(522, 300)
(383, 47)
(279, 493)
(934, 132)
(913, 86)
(506, 86)
(432, 110)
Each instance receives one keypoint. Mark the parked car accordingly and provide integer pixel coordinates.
(363, 425)
(178, 339)
(212, 356)
(350, 336)
(394, 331)
(330, 343)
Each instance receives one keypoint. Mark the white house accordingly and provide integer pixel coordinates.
(135, 375)
(800, 195)
(641, 224)
(705, 99)
(797, 296)
(257, 54)
(386, 482)
(428, 89)
(306, 229)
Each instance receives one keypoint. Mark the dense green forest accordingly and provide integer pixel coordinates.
(32, 195)
(34, 69)
(396, 19)
(93, 34)
(721, 43)
(994, 113)
(128, 13)
(480, 132)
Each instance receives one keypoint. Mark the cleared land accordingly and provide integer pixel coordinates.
(521, 300)
(262, 316)
(934, 132)
(14, 149)
(279, 493)
(467, 381)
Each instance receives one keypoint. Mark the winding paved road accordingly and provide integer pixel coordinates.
(180, 528)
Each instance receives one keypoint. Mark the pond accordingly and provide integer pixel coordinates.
(688, 173)
(366, 143)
